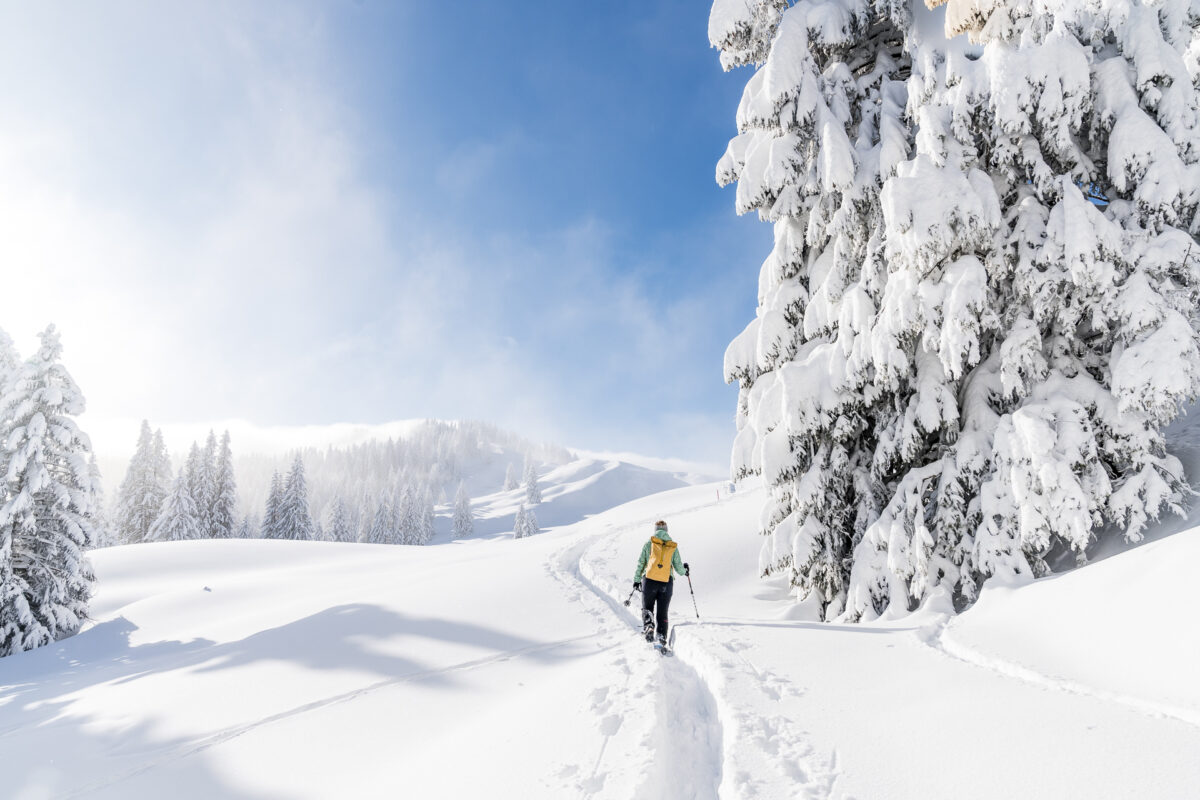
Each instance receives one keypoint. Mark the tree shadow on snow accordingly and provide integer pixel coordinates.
(53, 746)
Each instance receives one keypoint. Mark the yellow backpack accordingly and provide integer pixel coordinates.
(661, 553)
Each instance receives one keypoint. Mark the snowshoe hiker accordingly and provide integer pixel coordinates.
(660, 557)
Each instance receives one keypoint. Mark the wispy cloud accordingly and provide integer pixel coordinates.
(202, 219)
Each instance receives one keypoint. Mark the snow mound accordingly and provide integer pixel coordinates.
(1122, 629)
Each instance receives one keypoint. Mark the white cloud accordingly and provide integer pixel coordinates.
(201, 220)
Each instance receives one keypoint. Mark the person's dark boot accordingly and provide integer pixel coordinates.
(648, 625)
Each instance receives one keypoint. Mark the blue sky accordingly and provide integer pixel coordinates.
(365, 211)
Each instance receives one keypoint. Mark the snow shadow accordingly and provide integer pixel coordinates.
(49, 749)
(51, 746)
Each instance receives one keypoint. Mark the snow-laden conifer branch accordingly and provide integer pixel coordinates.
(961, 364)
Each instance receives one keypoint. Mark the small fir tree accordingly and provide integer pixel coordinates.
(407, 517)
(180, 519)
(533, 492)
(164, 473)
(248, 528)
(140, 496)
(225, 495)
(337, 525)
(294, 520)
(519, 522)
(531, 523)
(104, 535)
(464, 520)
(426, 525)
(271, 517)
(381, 529)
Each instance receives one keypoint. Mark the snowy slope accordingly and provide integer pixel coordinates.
(572, 492)
(502, 668)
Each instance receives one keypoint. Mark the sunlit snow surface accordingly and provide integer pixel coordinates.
(500, 668)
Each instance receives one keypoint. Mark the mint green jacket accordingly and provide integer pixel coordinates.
(676, 561)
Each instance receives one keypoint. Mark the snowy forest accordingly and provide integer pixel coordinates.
(53, 507)
(980, 311)
(377, 492)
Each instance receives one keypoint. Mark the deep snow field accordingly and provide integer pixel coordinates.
(501, 668)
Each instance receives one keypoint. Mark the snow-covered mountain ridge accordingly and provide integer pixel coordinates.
(269, 669)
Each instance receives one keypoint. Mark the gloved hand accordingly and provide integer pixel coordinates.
(686, 569)
(637, 585)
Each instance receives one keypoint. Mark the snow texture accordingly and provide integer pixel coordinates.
(243, 669)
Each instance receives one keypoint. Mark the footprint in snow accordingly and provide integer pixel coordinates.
(593, 784)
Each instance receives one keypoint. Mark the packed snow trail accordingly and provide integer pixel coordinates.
(679, 752)
(872, 711)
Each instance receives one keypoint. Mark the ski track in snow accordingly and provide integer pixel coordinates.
(941, 642)
(715, 735)
(679, 733)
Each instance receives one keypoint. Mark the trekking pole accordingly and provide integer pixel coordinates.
(627, 599)
(689, 577)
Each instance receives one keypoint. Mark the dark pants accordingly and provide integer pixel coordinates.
(656, 593)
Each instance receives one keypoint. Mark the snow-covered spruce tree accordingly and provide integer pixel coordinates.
(407, 517)
(520, 522)
(19, 629)
(46, 517)
(225, 492)
(164, 472)
(1017, 344)
(199, 476)
(820, 128)
(531, 523)
(248, 528)
(103, 534)
(464, 520)
(510, 477)
(381, 529)
(426, 525)
(270, 523)
(140, 496)
(1085, 120)
(533, 492)
(180, 519)
(210, 469)
(337, 522)
(294, 520)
